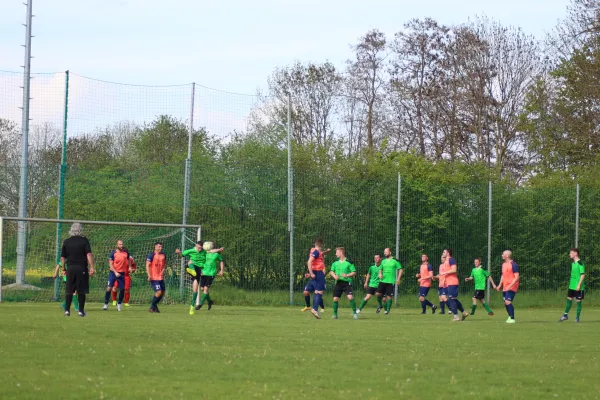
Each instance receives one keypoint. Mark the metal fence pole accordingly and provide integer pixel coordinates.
(186, 192)
(577, 218)
(398, 203)
(489, 244)
(290, 197)
(61, 184)
(23, 191)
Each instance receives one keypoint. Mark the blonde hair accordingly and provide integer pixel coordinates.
(208, 246)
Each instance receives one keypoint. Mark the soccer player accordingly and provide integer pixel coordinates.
(390, 274)
(120, 264)
(342, 271)
(425, 276)
(371, 285)
(451, 274)
(76, 255)
(127, 284)
(208, 273)
(197, 257)
(155, 268)
(509, 284)
(316, 272)
(442, 288)
(481, 276)
(576, 285)
(64, 278)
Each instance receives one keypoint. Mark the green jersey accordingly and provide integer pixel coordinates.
(577, 269)
(374, 276)
(480, 277)
(197, 257)
(389, 266)
(210, 264)
(343, 267)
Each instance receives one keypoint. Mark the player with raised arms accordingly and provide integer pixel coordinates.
(120, 264)
(425, 277)
(155, 269)
(371, 285)
(197, 257)
(213, 259)
(390, 274)
(316, 273)
(481, 276)
(576, 285)
(342, 271)
(509, 284)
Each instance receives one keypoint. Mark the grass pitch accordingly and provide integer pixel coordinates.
(259, 352)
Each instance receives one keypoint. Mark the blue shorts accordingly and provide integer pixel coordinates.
(316, 284)
(453, 292)
(423, 291)
(509, 295)
(112, 278)
(443, 291)
(157, 285)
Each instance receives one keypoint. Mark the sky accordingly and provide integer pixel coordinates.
(229, 45)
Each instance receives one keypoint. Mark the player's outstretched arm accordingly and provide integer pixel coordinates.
(220, 250)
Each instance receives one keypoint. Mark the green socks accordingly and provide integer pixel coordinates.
(487, 308)
(379, 302)
(362, 304)
(578, 309)
(388, 305)
(353, 305)
(203, 298)
(473, 308)
(76, 302)
(568, 306)
(194, 297)
(335, 308)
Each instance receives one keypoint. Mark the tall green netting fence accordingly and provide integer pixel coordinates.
(127, 157)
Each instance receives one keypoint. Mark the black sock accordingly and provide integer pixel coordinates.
(81, 298)
(459, 306)
(68, 301)
(322, 303)
(307, 301)
(428, 303)
(121, 295)
(107, 296)
(423, 306)
(155, 301)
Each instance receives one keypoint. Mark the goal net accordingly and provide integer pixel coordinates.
(32, 280)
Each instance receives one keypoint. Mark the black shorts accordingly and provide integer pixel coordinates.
(78, 279)
(206, 281)
(576, 294)
(198, 274)
(371, 290)
(386, 289)
(341, 287)
(479, 294)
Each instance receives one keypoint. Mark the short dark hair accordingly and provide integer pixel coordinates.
(478, 259)
(319, 241)
(155, 243)
(377, 255)
(200, 242)
(424, 254)
(449, 250)
(576, 250)
(342, 249)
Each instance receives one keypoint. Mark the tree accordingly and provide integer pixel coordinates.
(367, 77)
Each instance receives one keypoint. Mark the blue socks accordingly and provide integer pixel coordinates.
(317, 301)
(423, 307)
(510, 309)
(106, 297)
(428, 303)
(121, 296)
(156, 300)
(307, 300)
(459, 305)
(321, 303)
(443, 306)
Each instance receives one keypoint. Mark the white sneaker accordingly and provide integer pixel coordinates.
(105, 307)
(118, 307)
(355, 316)
(358, 311)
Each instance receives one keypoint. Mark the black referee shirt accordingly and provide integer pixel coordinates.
(75, 250)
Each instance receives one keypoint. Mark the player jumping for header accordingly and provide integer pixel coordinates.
(316, 273)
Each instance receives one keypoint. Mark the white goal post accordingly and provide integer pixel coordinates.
(45, 236)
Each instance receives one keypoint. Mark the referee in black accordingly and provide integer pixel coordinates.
(76, 256)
